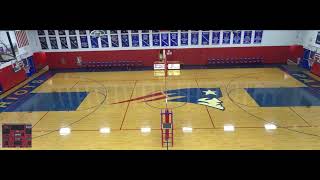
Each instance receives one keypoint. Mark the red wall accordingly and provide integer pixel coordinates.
(296, 52)
(194, 56)
(40, 60)
(55, 58)
(9, 78)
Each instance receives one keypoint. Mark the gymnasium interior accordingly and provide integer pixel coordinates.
(159, 89)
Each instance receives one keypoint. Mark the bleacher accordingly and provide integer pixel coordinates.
(235, 61)
(111, 65)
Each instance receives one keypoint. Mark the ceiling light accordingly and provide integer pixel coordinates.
(187, 129)
(228, 127)
(64, 131)
(145, 130)
(104, 130)
(270, 126)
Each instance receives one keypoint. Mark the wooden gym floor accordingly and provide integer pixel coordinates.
(298, 127)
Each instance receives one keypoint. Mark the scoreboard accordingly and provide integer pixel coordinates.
(16, 135)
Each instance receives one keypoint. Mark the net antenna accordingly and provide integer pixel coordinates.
(97, 33)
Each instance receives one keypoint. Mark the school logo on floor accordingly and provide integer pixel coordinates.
(202, 96)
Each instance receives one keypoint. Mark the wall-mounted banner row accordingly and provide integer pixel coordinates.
(81, 39)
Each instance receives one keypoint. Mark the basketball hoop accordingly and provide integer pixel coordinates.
(97, 33)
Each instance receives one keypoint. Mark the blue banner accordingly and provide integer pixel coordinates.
(205, 38)
(237, 37)
(64, 44)
(173, 39)
(72, 32)
(156, 39)
(145, 40)
(215, 37)
(83, 32)
(104, 41)
(51, 32)
(84, 42)
(61, 32)
(114, 41)
(194, 38)
(73, 42)
(94, 42)
(41, 32)
(53, 42)
(226, 37)
(125, 40)
(43, 42)
(247, 37)
(318, 38)
(184, 38)
(164, 39)
(258, 37)
(135, 40)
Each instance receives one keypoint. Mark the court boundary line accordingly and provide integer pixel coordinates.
(40, 119)
(201, 128)
(87, 115)
(124, 117)
(206, 107)
(259, 118)
(300, 116)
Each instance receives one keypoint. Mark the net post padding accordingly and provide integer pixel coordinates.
(166, 127)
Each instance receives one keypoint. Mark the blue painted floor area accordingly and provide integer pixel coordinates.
(284, 97)
(192, 95)
(56, 101)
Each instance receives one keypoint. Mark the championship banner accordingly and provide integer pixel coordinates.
(173, 39)
(64, 44)
(156, 39)
(226, 37)
(104, 41)
(41, 32)
(237, 37)
(194, 38)
(135, 40)
(94, 42)
(145, 40)
(216, 37)
(125, 40)
(205, 38)
(73, 42)
(247, 37)
(62, 32)
(84, 42)
(258, 37)
(318, 38)
(114, 41)
(164, 39)
(43, 42)
(53, 42)
(184, 38)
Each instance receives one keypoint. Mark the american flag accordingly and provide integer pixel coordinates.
(22, 38)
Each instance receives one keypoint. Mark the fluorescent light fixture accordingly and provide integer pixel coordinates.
(145, 130)
(270, 126)
(187, 129)
(104, 130)
(65, 131)
(228, 127)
